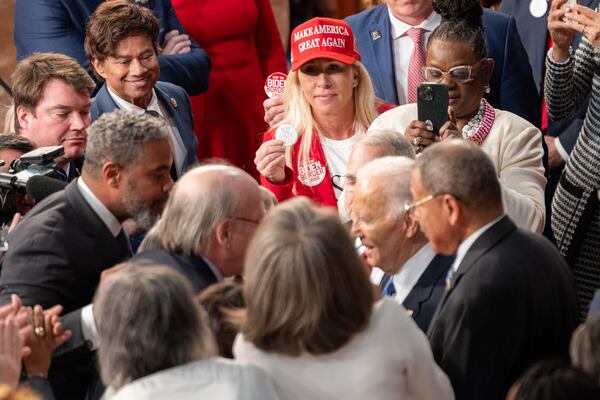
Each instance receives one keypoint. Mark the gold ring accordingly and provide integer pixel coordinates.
(39, 331)
(415, 141)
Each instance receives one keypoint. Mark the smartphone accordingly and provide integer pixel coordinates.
(432, 104)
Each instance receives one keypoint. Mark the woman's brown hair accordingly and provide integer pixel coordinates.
(306, 288)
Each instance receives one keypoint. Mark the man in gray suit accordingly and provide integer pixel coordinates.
(510, 298)
(57, 253)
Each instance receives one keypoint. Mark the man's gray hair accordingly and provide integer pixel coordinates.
(148, 321)
(462, 169)
(390, 175)
(395, 140)
(190, 217)
(119, 137)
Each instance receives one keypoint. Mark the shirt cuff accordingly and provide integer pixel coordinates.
(561, 150)
(88, 327)
(553, 62)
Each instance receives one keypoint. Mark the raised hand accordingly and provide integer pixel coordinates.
(270, 160)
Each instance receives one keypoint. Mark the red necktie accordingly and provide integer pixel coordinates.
(417, 61)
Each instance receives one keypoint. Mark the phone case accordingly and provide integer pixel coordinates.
(432, 104)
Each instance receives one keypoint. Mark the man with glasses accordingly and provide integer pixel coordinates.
(206, 226)
(414, 274)
(510, 299)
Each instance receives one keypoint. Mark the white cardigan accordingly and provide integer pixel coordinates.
(515, 148)
(391, 359)
(211, 378)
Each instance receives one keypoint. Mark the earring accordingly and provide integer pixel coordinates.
(487, 89)
(355, 84)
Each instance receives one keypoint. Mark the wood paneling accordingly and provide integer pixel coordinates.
(7, 52)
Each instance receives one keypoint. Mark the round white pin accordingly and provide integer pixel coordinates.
(275, 84)
(538, 8)
(287, 134)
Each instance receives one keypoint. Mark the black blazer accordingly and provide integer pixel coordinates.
(427, 292)
(55, 256)
(512, 302)
(194, 268)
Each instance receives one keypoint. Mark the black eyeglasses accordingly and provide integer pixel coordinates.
(459, 74)
(252, 221)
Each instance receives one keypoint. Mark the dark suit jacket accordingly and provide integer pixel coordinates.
(512, 87)
(424, 297)
(194, 268)
(59, 26)
(55, 256)
(533, 33)
(179, 110)
(512, 303)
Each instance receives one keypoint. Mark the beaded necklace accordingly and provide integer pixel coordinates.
(479, 127)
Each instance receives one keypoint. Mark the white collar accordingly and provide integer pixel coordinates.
(125, 105)
(406, 278)
(111, 222)
(464, 247)
(399, 28)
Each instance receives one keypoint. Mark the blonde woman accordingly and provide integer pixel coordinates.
(329, 102)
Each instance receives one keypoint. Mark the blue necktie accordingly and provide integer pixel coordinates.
(389, 288)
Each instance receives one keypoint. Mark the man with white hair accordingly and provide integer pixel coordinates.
(415, 275)
(375, 144)
(206, 225)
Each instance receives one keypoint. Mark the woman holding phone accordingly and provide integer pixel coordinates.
(456, 56)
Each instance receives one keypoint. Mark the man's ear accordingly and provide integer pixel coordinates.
(99, 67)
(411, 225)
(223, 232)
(113, 174)
(24, 115)
(454, 209)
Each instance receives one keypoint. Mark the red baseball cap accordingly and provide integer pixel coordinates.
(323, 38)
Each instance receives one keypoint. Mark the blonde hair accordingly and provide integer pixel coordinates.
(585, 348)
(299, 113)
(306, 287)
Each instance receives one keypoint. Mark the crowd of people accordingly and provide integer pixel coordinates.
(169, 231)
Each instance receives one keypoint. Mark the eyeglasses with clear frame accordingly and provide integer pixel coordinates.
(411, 205)
(459, 74)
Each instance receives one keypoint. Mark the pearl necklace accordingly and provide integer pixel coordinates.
(479, 127)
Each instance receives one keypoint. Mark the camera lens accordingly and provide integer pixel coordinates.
(425, 92)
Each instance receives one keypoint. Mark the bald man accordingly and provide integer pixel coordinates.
(206, 226)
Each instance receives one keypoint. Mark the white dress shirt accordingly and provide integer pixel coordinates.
(406, 279)
(403, 48)
(177, 146)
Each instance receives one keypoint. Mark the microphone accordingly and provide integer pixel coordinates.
(39, 186)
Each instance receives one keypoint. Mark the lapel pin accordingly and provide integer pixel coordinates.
(173, 102)
(375, 35)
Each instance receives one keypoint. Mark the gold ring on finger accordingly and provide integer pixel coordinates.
(39, 331)
(416, 141)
